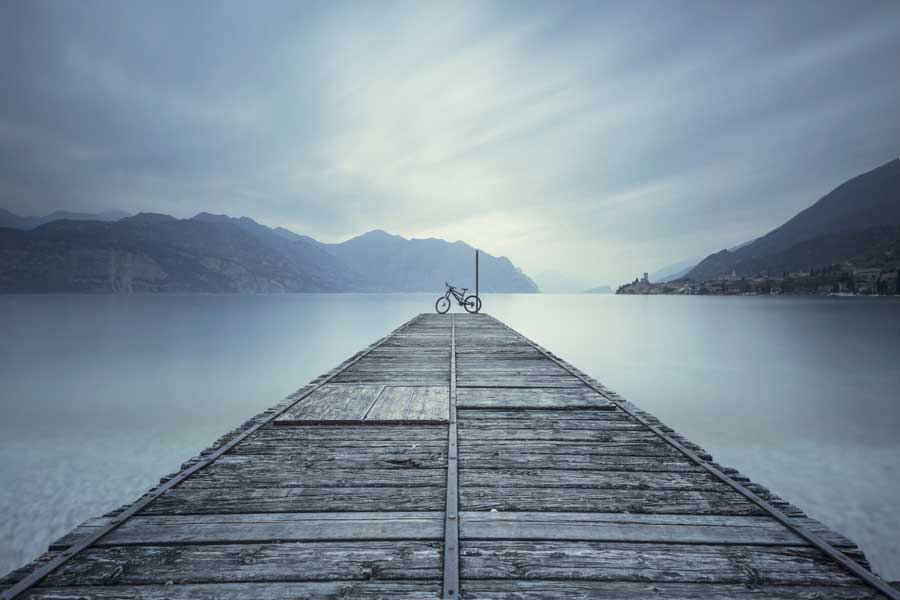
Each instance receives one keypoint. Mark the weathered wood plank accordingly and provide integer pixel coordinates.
(620, 527)
(553, 478)
(669, 563)
(554, 421)
(582, 415)
(318, 590)
(582, 397)
(229, 563)
(394, 378)
(218, 500)
(512, 368)
(638, 449)
(275, 527)
(642, 501)
(230, 474)
(333, 402)
(399, 403)
(472, 430)
(409, 458)
(364, 432)
(311, 451)
(600, 457)
(500, 379)
(605, 590)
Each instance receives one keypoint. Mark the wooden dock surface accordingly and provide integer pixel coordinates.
(453, 458)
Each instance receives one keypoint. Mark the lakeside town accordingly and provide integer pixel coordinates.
(843, 279)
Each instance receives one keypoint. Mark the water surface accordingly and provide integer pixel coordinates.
(100, 396)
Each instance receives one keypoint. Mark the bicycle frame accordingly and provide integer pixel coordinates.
(457, 293)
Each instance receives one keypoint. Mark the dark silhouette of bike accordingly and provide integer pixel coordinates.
(471, 303)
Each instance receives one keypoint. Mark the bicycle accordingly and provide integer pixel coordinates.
(471, 303)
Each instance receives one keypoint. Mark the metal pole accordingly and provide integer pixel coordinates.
(476, 277)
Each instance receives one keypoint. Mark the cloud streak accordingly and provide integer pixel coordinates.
(598, 140)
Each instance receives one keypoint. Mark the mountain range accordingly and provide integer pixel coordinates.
(154, 253)
(857, 222)
(8, 219)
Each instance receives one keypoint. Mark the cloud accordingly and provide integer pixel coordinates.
(600, 140)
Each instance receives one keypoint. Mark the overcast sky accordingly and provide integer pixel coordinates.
(600, 140)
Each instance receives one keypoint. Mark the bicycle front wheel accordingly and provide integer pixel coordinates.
(473, 304)
(442, 305)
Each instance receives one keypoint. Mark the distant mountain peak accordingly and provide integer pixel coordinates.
(379, 234)
(211, 217)
(150, 217)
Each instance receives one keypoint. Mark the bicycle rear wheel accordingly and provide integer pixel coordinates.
(473, 304)
(442, 305)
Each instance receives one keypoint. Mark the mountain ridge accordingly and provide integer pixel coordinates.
(14, 221)
(866, 201)
(210, 253)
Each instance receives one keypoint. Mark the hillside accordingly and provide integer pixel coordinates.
(151, 253)
(864, 248)
(867, 201)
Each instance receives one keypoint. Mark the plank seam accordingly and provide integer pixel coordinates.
(832, 552)
(374, 402)
(451, 515)
(41, 572)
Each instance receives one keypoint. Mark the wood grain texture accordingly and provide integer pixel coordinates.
(641, 501)
(319, 590)
(501, 379)
(333, 402)
(471, 430)
(229, 474)
(275, 527)
(612, 456)
(232, 563)
(616, 527)
(399, 403)
(364, 452)
(605, 590)
(663, 563)
(218, 500)
(553, 478)
(579, 397)
(290, 437)
(394, 377)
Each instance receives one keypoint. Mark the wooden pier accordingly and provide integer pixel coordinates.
(453, 458)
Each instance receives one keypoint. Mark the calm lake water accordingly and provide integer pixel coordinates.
(100, 396)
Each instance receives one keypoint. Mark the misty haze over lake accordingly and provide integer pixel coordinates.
(103, 395)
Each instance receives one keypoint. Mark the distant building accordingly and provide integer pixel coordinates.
(889, 283)
(866, 280)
